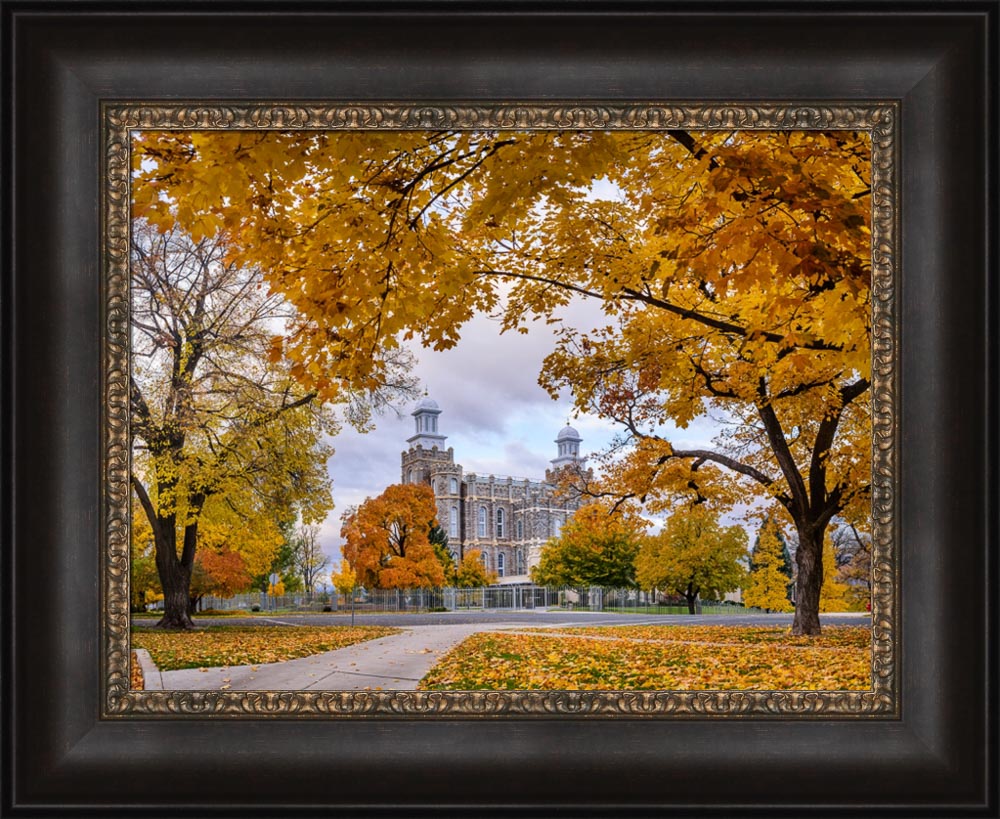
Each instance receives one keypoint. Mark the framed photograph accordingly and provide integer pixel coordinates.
(541, 153)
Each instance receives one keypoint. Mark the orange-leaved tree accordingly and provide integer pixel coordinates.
(734, 268)
(387, 539)
(222, 573)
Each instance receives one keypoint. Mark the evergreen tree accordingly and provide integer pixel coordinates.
(439, 540)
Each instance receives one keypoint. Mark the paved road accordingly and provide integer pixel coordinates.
(528, 617)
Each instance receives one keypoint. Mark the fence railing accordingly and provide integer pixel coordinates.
(511, 598)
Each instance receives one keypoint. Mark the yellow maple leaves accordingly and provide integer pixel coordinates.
(657, 658)
(733, 267)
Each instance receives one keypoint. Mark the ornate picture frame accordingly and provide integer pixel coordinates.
(77, 741)
(877, 120)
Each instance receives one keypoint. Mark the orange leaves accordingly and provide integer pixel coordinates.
(387, 539)
(658, 658)
(223, 573)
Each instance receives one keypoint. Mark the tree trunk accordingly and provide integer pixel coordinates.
(692, 600)
(176, 601)
(809, 560)
(175, 577)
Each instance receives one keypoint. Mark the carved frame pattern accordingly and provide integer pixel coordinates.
(118, 701)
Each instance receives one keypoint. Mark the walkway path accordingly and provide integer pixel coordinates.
(399, 662)
(394, 663)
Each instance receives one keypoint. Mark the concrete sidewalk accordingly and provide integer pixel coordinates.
(390, 663)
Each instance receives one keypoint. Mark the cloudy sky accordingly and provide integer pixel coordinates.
(495, 415)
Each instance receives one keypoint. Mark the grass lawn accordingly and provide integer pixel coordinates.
(676, 658)
(247, 645)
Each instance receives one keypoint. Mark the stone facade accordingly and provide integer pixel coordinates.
(508, 519)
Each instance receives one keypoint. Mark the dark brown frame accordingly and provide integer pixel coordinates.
(62, 60)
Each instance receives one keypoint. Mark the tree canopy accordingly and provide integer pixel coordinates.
(387, 539)
(733, 268)
(694, 556)
(767, 586)
(596, 547)
(227, 444)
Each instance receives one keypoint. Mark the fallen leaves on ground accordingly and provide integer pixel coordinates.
(136, 681)
(831, 637)
(247, 645)
(672, 658)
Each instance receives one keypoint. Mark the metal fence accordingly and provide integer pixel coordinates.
(510, 598)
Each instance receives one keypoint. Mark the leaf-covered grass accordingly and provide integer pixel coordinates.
(832, 636)
(676, 658)
(247, 645)
(136, 681)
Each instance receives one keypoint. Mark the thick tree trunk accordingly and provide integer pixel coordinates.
(175, 578)
(175, 602)
(692, 601)
(809, 560)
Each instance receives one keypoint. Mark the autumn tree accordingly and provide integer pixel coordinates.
(694, 556)
(222, 432)
(344, 579)
(472, 572)
(835, 594)
(597, 547)
(853, 549)
(734, 268)
(221, 573)
(770, 525)
(387, 539)
(767, 586)
(143, 582)
(309, 559)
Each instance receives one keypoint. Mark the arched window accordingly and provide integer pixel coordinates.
(556, 526)
(519, 561)
(409, 477)
(486, 561)
(499, 522)
(453, 522)
(520, 529)
(454, 486)
(500, 564)
(482, 522)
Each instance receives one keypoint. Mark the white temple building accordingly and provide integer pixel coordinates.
(508, 519)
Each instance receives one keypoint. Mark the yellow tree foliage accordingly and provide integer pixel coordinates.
(597, 547)
(386, 539)
(734, 270)
(144, 582)
(227, 443)
(344, 579)
(835, 595)
(472, 572)
(693, 556)
(768, 585)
